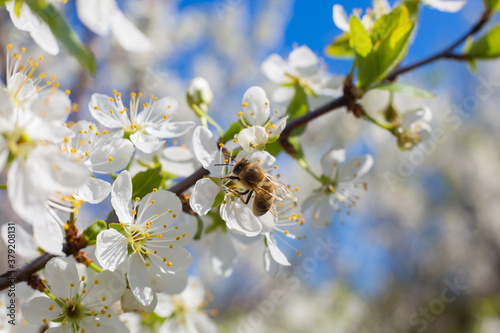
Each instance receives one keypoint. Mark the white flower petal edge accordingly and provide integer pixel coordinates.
(240, 219)
(223, 256)
(203, 196)
(129, 37)
(95, 191)
(331, 160)
(356, 167)
(340, 18)
(275, 67)
(270, 265)
(205, 150)
(255, 106)
(121, 194)
(111, 249)
(445, 5)
(276, 253)
(139, 279)
(304, 61)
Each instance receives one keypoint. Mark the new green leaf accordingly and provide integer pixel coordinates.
(404, 89)
(144, 182)
(340, 48)
(90, 234)
(486, 47)
(360, 39)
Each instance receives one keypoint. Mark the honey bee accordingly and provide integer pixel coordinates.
(269, 192)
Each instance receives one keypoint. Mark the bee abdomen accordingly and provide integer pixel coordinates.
(263, 199)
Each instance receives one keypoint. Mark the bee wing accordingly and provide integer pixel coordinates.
(281, 191)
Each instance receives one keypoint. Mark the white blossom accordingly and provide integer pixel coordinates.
(147, 128)
(340, 189)
(414, 128)
(152, 228)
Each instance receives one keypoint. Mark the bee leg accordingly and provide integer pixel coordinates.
(248, 196)
(231, 177)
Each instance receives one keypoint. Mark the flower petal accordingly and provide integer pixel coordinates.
(331, 160)
(275, 68)
(128, 36)
(176, 282)
(278, 127)
(95, 14)
(304, 61)
(95, 191)
(100, 106)
(171, 129)
(112, 153)
(340, 18)
(252, 137)
(60, 273)
(276, 253)
(179, 161)
(223, 256)
(139, 279)
(240, 219)
(445, 6)
(48, 233)
(104, 289)
(194, 293)
(111, 249)
(206, 151)
(356, 167)
(38, 309)
(121, 196)
(256, 106)
(270, 265)
(203, 196)
(146, 142)
(423, 114)
(24, 241)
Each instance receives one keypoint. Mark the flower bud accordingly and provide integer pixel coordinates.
(199, 92)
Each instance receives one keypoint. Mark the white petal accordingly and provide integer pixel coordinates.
(128, 36)
(96, 14)
(180, 258)
(256, 106)
(51, 105)
(111, 145)
(331, 160)
(111, 249)
(48, 233)
(356, 167)
(240, 219)
(421, 114)
(24, 240)
(172, 129)
(100, 106)
(37, 309)
(381, 7)
(321, 211)
(128, 302)
(4, 152)
(146, 142)
(139, 279)
(202, 323)
(95, 191)
(275, 68)
(60, 273)
(304, 61)
(121, 196)
(340, 18)
(203, 196)
(194, 293)
(163, 201)
(263, 158)
(252, 136)
(179, 161)
(110, 285)
(445, 5)
(165, 306)
(283, 95)
(279, 127)
(276, 253)
(176, 282)
(206, 151)
(223, 256)
(270, 265)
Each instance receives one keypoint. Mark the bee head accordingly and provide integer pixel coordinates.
(238, 166)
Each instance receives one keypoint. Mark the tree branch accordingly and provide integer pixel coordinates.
(447, 53)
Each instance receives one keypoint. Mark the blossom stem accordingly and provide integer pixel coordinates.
(3, 186)
(95, 267)
(204, 117)
(46, 292)
(303, 163)
(376, 122)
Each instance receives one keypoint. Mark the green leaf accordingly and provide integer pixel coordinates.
(392, 50)
(486, 47)
(340, 47)
(90, 234)
(199, 230)
(118, 227)
(294, 140)
(404, 89)
(492, 4)
(413, 8)
(233, 129)
(387, 23)
(64, 33)
(218, 199)
(274, 148)
(367, 69)
(144, 182)
(298, 107)
(17, 8)
(360, 39)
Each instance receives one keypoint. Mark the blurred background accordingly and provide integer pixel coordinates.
(421, 250)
